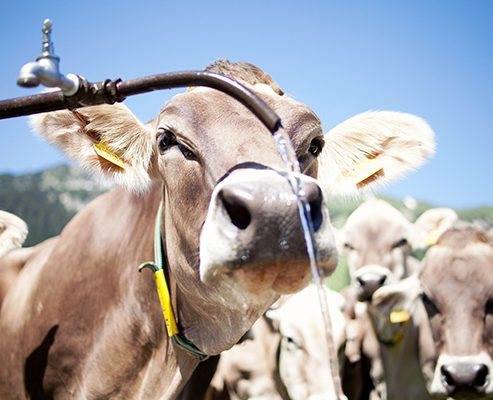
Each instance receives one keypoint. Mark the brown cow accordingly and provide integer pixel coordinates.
(448, 335)
(80, 322)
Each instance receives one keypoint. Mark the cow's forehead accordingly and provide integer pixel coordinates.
(376, 218)
(376, 210)
(209, 106)
(449, 272)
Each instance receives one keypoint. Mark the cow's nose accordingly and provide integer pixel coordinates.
(464, 378)
(368, 283)
(242, 205)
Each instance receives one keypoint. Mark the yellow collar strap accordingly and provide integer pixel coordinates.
(164, 297)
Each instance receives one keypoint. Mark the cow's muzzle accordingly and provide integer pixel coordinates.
(465, 380)
(368, 279)
(253, 233)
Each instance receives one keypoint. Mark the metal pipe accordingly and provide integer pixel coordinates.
(109, 92)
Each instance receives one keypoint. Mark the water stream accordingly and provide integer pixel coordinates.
(288, 154)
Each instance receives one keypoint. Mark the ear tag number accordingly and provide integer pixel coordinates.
(365, 169)
(104, 151)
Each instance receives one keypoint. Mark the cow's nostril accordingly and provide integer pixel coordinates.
(447, 377)
(240, 217)
(382, 280)
(238, 212)
(315, 198)
(480, 380)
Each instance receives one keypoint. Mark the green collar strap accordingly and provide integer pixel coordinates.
(164, 296)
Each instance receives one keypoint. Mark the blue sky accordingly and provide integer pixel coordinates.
(430, 58)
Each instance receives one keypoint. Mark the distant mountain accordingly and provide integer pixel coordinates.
(49, 199)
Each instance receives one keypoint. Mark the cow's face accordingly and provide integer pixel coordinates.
(376, 242)
(225, 180)
(377, 239)
(457, 286)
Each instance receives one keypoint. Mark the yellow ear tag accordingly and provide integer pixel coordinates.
(104, 151)
(432, 237)
(397, 317)
(365, 169)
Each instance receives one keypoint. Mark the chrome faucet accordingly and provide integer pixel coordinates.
(45, 69)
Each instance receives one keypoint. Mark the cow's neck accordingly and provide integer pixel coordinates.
(212, 318)
(163, 283)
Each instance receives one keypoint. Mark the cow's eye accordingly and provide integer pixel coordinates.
(348, 247)
(430, 306)
(316, 147)
(187, 153)
(291, 343)
(400, 243)
(165, 139)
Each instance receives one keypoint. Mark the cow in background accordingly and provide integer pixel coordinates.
(13, 233)
(81, 322)
(489, 233)
(377, 240)
(444, 318)
(288, 356)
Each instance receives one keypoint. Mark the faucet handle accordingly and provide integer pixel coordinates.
(47, 49)
(45, 69)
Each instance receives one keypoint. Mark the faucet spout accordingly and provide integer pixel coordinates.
(45, 69)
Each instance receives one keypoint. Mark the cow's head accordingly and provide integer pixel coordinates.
(457, 293)
(230, 218)
(452, 306)
(377, 239)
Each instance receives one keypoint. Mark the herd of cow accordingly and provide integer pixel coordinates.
(78, 321)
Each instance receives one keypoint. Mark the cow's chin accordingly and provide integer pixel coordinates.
(281, 279)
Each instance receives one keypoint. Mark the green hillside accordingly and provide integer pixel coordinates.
(47, 200)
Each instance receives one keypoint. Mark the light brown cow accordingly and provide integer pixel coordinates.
(377, 239)
(13, 233)
(288, 356)
(80, 322)
(448, 335)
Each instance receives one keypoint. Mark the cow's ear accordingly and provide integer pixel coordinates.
(371, 150)
(272, 318)
(13, 232)
(106, 140)
(430, 225)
